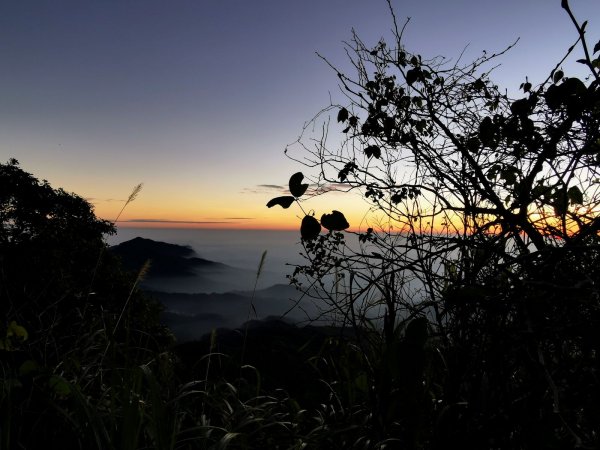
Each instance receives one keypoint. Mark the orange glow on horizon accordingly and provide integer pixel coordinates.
(207, 226)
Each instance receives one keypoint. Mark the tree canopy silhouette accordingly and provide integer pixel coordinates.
(69, 314)
(54, 271)
(484, 219)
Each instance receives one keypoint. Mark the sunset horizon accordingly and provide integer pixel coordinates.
(199, 100)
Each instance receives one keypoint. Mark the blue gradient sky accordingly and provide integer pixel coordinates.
(198, 98)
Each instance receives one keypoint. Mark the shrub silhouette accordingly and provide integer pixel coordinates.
(483, 219)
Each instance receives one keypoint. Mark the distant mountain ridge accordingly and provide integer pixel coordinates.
(167, 260)
(190, 316)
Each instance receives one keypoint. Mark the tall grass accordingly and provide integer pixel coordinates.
(251, 307)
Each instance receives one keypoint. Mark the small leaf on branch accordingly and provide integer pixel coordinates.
(310, 228)
(560, 202)
(398, 197)
(334, 221)
(575, 196)
(348, 167)
(371, 86)
(297, 189)
(411, 76)
(582, 61)
(17, 330)
(487, 132)
(558, 76)
(284, 201)
(479, 84)
(59, 385)
(473, 144)
(402, 58)
(597, 47)
(342, 115)
(373, 150)
(520, 107)
(553, 97)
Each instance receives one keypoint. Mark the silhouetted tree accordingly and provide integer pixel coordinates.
(70, 318)
(484, 219)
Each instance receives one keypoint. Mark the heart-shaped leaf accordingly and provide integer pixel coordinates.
(297, 189)
(284, 201)
(310, 228)
(334, 221)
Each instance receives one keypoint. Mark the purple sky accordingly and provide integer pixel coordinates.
(198, 98)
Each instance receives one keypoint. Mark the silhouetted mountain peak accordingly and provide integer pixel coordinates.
(166, 259)
(153, 248)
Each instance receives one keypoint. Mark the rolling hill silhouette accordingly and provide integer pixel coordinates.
(167, 260)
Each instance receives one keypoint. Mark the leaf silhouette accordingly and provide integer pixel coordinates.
(284, 201)
(373, 150)
(575, 195)
(334, 221)
(310, 228)
(487, 132)
(297, 189)
(558, 76)
(411, 76)
(342, 115)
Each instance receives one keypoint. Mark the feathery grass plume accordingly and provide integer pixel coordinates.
(134, 193)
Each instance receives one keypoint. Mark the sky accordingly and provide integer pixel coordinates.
(197, 99)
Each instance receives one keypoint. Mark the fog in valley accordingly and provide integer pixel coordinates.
(217, 289)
